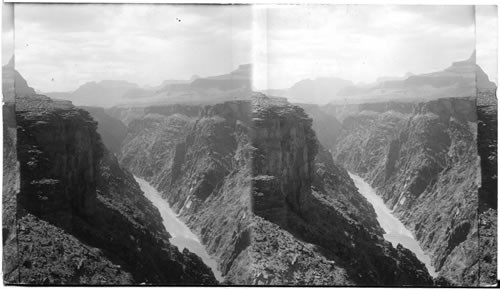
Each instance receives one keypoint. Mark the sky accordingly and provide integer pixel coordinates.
(487, 40)
(7, 32)
(60, 47)
(359, 42)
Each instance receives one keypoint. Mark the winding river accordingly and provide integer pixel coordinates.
(395, 230)
(182, 237)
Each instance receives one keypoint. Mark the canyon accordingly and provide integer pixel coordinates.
(422, 160)
(74, 216)
(246, 189)
(248, 177)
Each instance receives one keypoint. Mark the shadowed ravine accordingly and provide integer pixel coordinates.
(182, 237)
(395, 231)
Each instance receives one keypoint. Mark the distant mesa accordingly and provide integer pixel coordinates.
(109, 93)
(239, 78)
(14, 82)
(317, 90)
(104, 93)
(462, 78)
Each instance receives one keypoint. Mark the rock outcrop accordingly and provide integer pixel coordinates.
(199, 158)
(297, 186)
(488, 216)
(82, 219)
(422, 159)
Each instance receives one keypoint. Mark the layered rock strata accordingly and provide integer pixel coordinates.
(81, 219)
(422, 159)
(267, 201)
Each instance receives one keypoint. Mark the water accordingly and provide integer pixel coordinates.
(396, 231)
(182, 237)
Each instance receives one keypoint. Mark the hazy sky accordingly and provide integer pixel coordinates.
(487, 40)
(145, 44)
(60, 47)
(7, 32)
(360, 42)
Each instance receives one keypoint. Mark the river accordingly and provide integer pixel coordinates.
(182, 237)
(396, 232)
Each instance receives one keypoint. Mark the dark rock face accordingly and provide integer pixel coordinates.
(81, 219)
(297, 186)
(488, 149)
(199, 158)
(422, 159)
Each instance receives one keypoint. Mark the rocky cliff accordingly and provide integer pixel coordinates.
(10, 173)
(422, 159)
(81, 219)
(297, 186)
(267, 201)
(488, 149)
(198, 157)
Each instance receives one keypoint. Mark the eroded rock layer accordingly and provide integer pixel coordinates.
(422, 159)
(267, 201)
(199, 158)
(81, 219)
(488, 149)
(297, 186)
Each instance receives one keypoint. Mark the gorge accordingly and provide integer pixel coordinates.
(422, 160)
(395, 231)
(249, 191)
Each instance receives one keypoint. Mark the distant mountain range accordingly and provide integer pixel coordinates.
(108, 93)
(103, 93)
(460, 79)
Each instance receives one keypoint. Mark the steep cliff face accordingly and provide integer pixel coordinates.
(268, 202)
(198, 157)
(10, 183)
(81, 219)
(297, 186)
(488, 149)
(422, 159)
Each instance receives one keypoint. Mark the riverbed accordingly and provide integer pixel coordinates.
(182, 236)
(395, 230)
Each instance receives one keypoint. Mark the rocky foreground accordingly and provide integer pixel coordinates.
(79, 218)
(422, 159)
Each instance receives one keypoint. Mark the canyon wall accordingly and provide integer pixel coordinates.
(297, 186)
(81, 219)
(198, 157)
(488, 217)
(422, 159)
(267, 201)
